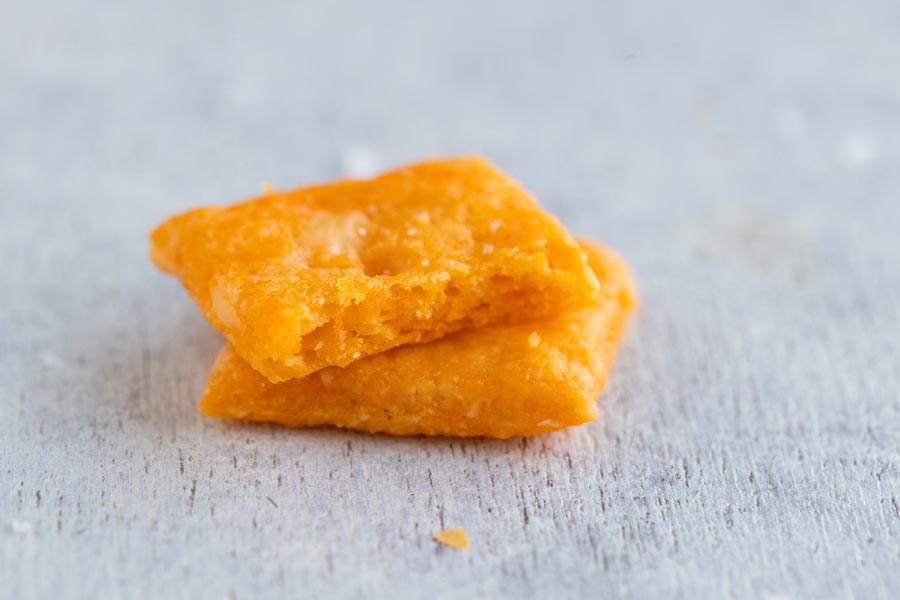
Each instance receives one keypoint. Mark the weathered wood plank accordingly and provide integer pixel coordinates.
(743, 159)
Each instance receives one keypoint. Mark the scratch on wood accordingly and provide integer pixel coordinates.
(193, 495)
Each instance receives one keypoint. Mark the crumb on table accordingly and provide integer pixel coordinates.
(455, 538)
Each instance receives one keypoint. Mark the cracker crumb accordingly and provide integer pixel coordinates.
(268, 189)
(455, 538)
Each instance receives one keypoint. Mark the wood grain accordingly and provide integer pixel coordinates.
(742, 158)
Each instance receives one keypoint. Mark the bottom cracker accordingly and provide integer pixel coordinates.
(497, 381)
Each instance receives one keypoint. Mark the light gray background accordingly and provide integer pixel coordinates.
(742, 156)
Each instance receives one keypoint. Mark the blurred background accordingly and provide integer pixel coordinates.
(632, 107)
(742, 157)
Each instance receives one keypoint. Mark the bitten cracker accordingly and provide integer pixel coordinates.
(498, 381)
(324, 276)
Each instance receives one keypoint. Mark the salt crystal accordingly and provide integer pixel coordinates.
(791, 123)
(51, 359)
(359, 161)
(21, 527)
(859, 150)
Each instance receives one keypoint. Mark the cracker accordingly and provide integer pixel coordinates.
(323, 276)
(498, 381)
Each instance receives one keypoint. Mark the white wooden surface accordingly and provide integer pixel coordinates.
(743, 158)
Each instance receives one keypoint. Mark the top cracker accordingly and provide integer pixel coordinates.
(322, 276)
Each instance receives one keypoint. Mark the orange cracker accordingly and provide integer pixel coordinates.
(498, 381)
(323, 276)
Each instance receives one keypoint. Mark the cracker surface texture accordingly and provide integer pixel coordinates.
(497, 381)
(323, 276)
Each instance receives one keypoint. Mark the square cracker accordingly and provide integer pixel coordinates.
(497, 381)
(322, 276)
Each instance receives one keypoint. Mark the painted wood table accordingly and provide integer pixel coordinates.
(743, 157)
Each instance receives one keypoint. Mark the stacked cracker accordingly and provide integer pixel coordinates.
(436, 299)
